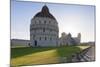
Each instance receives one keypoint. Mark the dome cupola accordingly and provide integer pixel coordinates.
(45, 13)
(45, 9)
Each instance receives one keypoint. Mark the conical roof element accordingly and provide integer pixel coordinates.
(44, 13)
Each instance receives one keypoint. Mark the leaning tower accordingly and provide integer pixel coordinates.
(79, 37)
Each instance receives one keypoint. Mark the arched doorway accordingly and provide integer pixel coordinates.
(35, 43)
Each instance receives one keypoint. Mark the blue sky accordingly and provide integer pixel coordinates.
(71, 18)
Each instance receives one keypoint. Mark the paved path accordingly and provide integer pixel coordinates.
(85, 56)
(90, 55)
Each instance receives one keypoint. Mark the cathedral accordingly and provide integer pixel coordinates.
(67, 39)
(44, 29)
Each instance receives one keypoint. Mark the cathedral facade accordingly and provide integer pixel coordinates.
(68, 40)
(44, 29)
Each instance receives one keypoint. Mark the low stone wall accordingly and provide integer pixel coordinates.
(20, 43)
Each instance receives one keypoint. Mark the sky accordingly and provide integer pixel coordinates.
(71, 18)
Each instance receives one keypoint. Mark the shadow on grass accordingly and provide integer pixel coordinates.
(21, 51)
(67, 51)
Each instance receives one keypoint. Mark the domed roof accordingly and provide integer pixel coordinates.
(44, 13)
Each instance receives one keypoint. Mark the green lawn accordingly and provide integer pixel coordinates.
(40, 55)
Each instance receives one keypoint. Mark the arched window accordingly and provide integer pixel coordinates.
(49, 22)
(33, 37)
(50, 38)
(43, 29)
(45, 38)
(45, 22)
(40, 38)
(34, 22)
(39, 22)
(50, 30)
